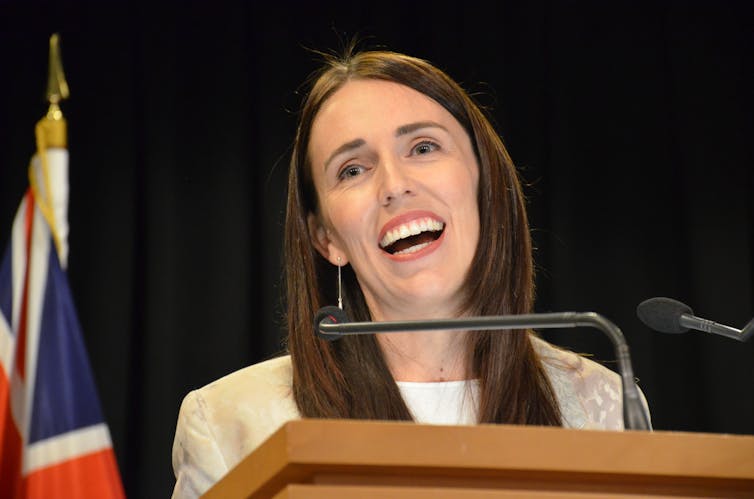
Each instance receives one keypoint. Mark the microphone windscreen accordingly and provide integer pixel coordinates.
(329, 315)
(663, 314)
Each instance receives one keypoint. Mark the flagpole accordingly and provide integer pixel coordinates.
(57, 90)
(51, 132)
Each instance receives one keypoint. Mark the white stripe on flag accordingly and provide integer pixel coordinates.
(18, 263)
(17, 400)
(7, 345)
(39, 260)
(76, 443)
(57, 162)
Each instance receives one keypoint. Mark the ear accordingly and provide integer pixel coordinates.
(325, 246)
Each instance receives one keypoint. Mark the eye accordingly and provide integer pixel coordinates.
(425, 147)
(350, 171)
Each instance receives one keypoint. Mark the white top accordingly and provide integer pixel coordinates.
(444, 402)
(223, 422)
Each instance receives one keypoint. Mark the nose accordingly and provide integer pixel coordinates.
(395, 183)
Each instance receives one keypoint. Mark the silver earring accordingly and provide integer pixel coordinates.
(340, 296)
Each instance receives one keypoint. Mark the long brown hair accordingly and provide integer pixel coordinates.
(349, 378)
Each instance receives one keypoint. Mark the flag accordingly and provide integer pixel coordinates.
(54, 442)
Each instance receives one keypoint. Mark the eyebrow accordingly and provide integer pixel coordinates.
(348, 146)
(400, 131)
(412, 127)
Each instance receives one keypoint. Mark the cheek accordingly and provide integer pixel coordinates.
(347, 215)
(474, 189)
(464, 188)
(467, 197)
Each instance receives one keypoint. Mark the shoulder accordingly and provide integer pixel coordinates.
(263, 383)
(222, 422)
(589, 394)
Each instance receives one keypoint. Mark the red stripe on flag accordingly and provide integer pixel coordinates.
(5, 416)
(21, 340)
(92, 476)
(10, 445)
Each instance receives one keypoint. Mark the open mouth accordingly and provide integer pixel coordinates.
(412, 236)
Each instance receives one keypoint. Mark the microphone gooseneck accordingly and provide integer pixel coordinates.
(332, 323)
(671, 316)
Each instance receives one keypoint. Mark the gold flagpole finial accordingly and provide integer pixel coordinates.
(51, 133)
(51, 129)
(57, 88)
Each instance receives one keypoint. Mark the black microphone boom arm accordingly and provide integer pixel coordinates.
(634, 416)
(671, 316)
(692, 322)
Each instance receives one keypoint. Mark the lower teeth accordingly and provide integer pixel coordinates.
(412, 249)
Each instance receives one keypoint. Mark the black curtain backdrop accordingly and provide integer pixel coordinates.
(631, 123)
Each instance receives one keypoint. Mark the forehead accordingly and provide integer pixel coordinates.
(377, 95)
(364, 107)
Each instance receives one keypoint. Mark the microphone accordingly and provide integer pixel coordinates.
(671, 316)
(329, 315)
(331, 323)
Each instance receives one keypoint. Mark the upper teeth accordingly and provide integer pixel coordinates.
(412, 228)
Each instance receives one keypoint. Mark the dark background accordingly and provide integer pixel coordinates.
(631, 123)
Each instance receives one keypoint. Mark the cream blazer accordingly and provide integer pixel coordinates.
(223, 422)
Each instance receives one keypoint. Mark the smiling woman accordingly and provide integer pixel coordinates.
(414, 165)
(397, 180)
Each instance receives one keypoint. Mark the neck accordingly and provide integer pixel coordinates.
(425, 356)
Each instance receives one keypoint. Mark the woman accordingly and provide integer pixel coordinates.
(399, 183)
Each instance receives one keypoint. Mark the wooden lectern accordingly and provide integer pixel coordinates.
(337, 459)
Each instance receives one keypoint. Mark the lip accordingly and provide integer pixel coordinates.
(405, 218)
(431, 247)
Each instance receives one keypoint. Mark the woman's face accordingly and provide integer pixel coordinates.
(396, 178)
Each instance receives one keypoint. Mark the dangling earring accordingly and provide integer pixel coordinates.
(340, 296)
